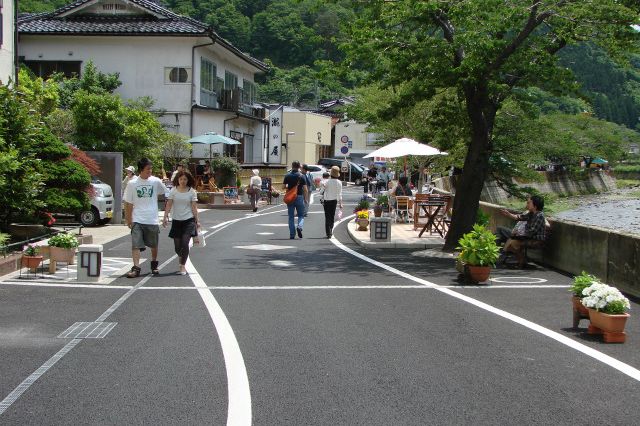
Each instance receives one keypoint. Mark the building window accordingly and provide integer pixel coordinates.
(46, 69)
(374, 139)
(249, 91)
(177, 75)
(230, 80)
(208, 78)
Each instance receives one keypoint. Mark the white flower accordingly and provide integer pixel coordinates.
(598, 296)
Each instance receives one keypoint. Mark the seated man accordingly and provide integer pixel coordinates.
(534, 229)
(402, 189)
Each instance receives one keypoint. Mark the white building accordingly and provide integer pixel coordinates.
(7, 41)
(354, 141)
(200, 81)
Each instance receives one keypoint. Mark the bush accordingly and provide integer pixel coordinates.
(225, 170)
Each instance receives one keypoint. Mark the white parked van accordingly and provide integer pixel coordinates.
(101, 210)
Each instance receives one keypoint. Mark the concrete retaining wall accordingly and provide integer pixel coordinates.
(612, 256)
(560, 183)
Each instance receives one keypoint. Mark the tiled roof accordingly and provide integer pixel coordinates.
(167, 23)
(53, 23)
(108, 25)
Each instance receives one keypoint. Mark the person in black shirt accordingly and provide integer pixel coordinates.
(372, 174)
(291, 179)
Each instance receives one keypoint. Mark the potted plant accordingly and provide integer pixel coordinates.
(478, 253)
(362, 220)
(62, 247)
(382, 204)
(363, 204)
(580, 282)
(607, 311)
(30, 257)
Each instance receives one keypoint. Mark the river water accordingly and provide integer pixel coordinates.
(618, 210)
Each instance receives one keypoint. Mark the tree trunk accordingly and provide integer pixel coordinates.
(481, 113)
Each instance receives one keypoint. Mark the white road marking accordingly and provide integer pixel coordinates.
(597, 355)
(264, 233)
(263, 247)
(239, 394)
(26, 383)
(282, 263)
(518, 280)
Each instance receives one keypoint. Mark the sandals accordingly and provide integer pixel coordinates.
(154, 267)
(134, 272)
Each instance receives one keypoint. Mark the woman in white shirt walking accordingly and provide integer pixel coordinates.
(182, 203)
(331, 195)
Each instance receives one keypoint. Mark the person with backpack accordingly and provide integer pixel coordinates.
(295, 179)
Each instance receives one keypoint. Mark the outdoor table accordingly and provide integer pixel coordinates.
(431, 210)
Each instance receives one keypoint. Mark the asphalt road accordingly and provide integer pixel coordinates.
(272, 331)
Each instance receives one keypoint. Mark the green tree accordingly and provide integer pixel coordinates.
(483, 49)
(104, 123)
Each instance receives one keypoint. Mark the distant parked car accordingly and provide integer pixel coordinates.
(316, 171)
(101, 210)
(357, 172)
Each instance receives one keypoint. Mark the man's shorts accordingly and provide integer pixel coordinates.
(144, 236)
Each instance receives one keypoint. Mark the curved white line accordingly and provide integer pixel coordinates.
(239, 394)
(604, 358)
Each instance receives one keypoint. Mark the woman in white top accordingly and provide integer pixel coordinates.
(331, 196)
(182, 203)
(256, 185)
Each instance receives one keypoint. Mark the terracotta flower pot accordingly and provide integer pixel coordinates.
(479, 274)
(31, 262)
(579, 311)
(363, 224)
(377, 211)
(59, 254)
(610, 326)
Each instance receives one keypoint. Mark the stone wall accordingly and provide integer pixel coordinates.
(612, 256)
(560, 183)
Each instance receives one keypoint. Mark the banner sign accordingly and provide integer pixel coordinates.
(275, 135)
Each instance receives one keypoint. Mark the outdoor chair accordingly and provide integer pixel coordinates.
(402, 208)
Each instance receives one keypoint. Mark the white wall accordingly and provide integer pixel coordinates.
(7, 55)
(141, 62)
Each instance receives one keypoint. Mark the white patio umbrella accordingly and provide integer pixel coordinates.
(212, 138)
(403, 147)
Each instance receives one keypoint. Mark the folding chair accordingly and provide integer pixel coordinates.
(402, 206)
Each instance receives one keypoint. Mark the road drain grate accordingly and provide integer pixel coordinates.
(87, 330)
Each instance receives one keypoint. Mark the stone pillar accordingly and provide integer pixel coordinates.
(380, 229)
(90, 263)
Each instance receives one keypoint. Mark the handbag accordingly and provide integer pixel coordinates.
(291, 195)
(201, 241)
(250, 190)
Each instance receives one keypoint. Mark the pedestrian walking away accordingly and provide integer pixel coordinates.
(295, 179)
(183, 205)
(255, 185)
(141, 215)
(308, 180)
(331, 196)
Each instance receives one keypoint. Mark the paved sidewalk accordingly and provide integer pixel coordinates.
(402, 236)
(106, 233)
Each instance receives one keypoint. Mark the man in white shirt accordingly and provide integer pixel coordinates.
(179, 168)
(141, 215)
